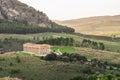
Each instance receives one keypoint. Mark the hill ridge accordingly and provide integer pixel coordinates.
(16, 10)
(97, 25)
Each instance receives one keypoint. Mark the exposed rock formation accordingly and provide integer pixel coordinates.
(15, 10)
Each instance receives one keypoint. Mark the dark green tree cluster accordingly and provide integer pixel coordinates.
(50, 57)
(57, 41)
(65, 57)
(22, 28)
(92, 44)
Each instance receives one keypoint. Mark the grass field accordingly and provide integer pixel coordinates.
(112, 57)
(98, 25)
(63, 49)
(110, 45)
(113, 34)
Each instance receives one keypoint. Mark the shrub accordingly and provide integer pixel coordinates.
(104, 77)
(14, 71)
(51, 57)
(2, 59)
(92, 77)
(65, 59)
(78, 78)
(11, 64)
(87, 70)
(18, 59)
(1, 68)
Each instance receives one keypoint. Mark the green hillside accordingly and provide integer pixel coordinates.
(28, 67)
(109, 45)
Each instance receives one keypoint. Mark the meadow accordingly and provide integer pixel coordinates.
(63, 49)
(113, 46)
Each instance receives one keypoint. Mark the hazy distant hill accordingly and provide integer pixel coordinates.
(14, 10)
(98, 25)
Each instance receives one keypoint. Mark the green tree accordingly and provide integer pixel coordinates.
(101, 46)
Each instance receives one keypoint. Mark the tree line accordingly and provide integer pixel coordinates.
(92, 44)
(65, 57)
(20, 28)
(57, 41)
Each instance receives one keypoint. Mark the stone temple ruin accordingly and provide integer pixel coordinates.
(37, 49)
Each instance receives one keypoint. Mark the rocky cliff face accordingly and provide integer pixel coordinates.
(15, 10)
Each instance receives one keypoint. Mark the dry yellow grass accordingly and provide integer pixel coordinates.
(95, 25)
(8, 54)
(8, 78)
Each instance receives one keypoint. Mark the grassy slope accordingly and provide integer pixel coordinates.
(64, 49)
(112, 57)
(99, 25)
(32, 68)
(113, 46)
(108, 56)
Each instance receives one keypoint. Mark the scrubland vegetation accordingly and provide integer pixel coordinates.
(71, 66)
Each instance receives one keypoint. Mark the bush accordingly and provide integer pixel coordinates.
(104, 77)
(11, 64)
(78, 78)
(1, 68)
(14, 71)
(65, 59)
(18, 59)
(51, 57)
(92, 77)
(2, 59)
(74, 57)
(87, 70)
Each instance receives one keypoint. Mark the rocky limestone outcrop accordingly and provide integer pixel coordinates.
(15, 10)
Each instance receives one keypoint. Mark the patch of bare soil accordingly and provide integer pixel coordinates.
(8, 54)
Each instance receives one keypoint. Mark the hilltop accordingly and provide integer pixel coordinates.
(19, 18)
(99, 25)
(14, 10)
